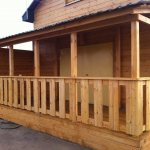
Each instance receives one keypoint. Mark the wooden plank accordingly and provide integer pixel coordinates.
(116, 98)
(22, 94)
(43, 96)
(10, 102)
(62, 113)
(98, 103)
(36, 95)
(36, 58)
(28, 92)
(74, 54)
(84, 101)
(1, 91)
(72, 100)
(52, 98)
(11, 60)
(5, 91)
(147, 105)
(111, 105)
(15, 93)
(135, 50)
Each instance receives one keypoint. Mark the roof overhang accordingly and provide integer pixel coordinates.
(28, 16)
(83, 23)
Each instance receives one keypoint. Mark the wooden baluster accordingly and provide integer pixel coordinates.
(22, 93)
(52, 98)
(111, 105)
(147, 105)
(36, 95)
(62, 113)
(1, 91)
(114, 105)
(43, 96)
(84, 101)
(15, 93)
(72, 100)
(116, 98)
(98, 103)
(5, 91)
(10, 92)
(28, 88)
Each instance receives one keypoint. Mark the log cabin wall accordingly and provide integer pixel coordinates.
(23, 62)
(52, 11)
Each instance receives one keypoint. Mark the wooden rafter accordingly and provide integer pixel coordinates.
(144, 19)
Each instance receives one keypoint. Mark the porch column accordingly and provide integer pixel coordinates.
(74, 54)
(36, 59)
(135, 50)
(11, 61)
(73, 85)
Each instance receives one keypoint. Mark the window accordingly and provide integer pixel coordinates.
(68, 2)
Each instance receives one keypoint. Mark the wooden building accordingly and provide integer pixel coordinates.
(87, 79)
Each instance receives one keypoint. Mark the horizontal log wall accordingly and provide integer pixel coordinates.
(23, 62)
(52, 11)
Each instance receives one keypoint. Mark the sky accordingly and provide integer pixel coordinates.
(11, 12)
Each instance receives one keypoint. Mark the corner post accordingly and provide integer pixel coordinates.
(11, 61)
(36, 59)
(135, 50)
(135, 91)
(73, 84)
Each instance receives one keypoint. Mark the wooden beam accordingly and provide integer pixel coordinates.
(74, 54)
(11, 60)
(87, 24)
(135, 50)
(36, 59)
(144, 19)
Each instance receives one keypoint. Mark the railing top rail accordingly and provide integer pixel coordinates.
(79, 78)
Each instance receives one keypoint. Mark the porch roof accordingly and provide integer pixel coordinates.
(29, 35)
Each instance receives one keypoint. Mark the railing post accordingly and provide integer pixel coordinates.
(134, 108)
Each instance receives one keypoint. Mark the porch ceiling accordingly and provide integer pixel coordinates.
(107, 18)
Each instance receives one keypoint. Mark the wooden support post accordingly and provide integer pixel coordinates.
(36, 59)
(135, 50)
(74, 54)
(73, 86)
(11, 60)
(117, 65)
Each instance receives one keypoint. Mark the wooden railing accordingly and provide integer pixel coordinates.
(94, 101)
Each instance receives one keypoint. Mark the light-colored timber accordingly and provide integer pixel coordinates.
(87, 79)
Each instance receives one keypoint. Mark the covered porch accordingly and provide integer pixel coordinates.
(64, 84)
